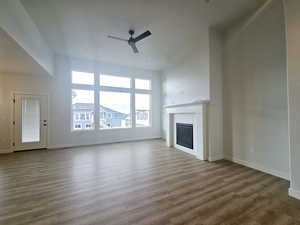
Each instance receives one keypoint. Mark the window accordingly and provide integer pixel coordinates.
(82, 78)
(83, 95)
(115, 110)
(115, 102)
(87, 116)
(143, 84)
(142, 115)
(102, 114)
(142, 110)
(110, 98)
(82, 101)
(76, 116)
(82, 116)
(115, 81)
(77, 126)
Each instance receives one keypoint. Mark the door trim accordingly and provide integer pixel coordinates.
(12, 117)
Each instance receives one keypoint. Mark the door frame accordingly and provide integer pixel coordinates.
(12, 117)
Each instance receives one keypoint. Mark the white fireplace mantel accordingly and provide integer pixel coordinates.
(196, 113)
(196, 102)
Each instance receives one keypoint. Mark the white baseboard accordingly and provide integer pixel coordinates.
(102, 143)
(294, 193)
(255, 166)
(216, 157)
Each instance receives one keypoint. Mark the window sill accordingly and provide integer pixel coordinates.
(89, 130)
(110, 129)
(125, 128)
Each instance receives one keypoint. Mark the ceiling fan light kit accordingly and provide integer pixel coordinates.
(132, 41)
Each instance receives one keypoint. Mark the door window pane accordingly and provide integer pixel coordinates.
(82, 78)
(83, 105)
(114, 81)
(142, 110)
(30, 120)
(114, 110)
(143, 84)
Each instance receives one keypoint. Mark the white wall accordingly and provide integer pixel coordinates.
(255, 92)
(59, 90)
(293, 47)
(189, 79)
(17, 23)
(4, 135)
(216, 96)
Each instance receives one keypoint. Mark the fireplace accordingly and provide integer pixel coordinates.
(187, 128)
(184, 135)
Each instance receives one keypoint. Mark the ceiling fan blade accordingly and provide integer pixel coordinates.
(142, 36)
(117, 38)
(134, 48)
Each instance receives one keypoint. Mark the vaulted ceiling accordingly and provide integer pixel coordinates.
(14, 59)
(79, 28)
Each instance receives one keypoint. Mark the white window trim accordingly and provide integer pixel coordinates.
(117, 90)
(87, 87)
(97, 88)
(151, 104)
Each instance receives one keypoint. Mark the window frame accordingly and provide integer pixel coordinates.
(97, 88)
(116, 90)
(85, 87)
(147, 92)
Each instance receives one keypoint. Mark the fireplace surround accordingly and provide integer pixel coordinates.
(193, 114)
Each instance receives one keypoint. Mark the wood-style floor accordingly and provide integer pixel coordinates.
(140, 183)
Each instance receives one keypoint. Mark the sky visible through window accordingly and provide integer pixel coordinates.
(143, 84)
(142, 101)
(82, 96)
(117, 101)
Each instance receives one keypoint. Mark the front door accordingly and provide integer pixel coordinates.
(30, 121)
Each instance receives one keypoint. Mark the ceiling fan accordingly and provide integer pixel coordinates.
(132, 41)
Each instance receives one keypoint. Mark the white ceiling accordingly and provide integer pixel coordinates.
(14, 59)
(79, 28)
